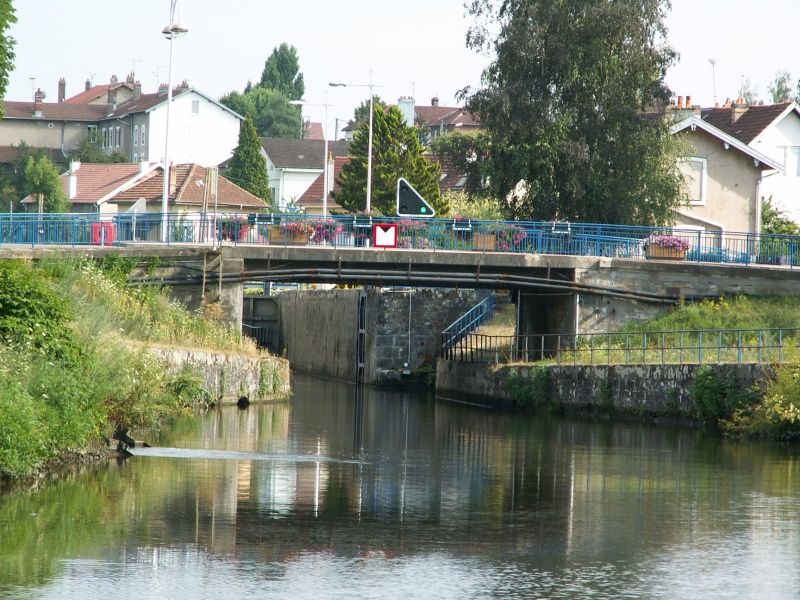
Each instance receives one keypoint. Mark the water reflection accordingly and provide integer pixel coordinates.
(378, 494)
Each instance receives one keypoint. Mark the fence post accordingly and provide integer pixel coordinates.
(739, 346)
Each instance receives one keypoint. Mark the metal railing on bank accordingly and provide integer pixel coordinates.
(577, 239)
(655, 347)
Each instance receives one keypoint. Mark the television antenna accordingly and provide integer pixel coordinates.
(713, 62)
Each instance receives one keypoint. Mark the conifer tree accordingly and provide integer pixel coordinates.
(248, 167)
(396, 152)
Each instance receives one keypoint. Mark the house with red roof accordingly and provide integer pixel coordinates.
(119, 188)
(126, 120)
(774, 131)
(724, 177)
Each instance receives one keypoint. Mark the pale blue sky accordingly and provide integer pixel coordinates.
(414, 47)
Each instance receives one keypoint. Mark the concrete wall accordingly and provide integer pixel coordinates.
(633, 388)
(230, 376)
(229, 295)
(319, 330)
(393, 341)
(42, 132)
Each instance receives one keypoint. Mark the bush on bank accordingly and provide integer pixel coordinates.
(68, 374)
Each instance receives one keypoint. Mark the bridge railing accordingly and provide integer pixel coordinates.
(655, 347)
(478, 315)
(575, 239)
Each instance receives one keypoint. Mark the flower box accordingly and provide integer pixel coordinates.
(282, 235)
(484, 241)
(666, 252)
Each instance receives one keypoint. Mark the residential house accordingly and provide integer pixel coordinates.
(293, 165)
(724, 175)
(110, 189)
(774, 131)
(437, 120)
(201, 129)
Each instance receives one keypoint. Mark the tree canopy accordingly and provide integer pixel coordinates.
(780, 90)
(282, 73)
(565, 105)
(89, 150)
(361, 113)
(42, 177)
(248, 167)
(396, 152)
(268, 102)
(7, 18)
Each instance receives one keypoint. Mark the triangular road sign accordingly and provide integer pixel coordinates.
(410, 203)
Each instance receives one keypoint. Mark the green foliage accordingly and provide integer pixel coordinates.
(282, 73)
(749, 92)
(775, 221)
(564, 103)
(397, 152)
(7, 19)
(777, 414)
(89, 150)
(15, 183)
(248, 167)
(271, 112)
(532, 391)
(361, 113)
(716, 399)
(42, 177)
(780, 90)
(117, 268)
(482, 208)
(467, 155)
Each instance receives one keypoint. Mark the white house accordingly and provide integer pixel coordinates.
(772, 130)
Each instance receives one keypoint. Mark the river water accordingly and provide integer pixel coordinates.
(372, 494)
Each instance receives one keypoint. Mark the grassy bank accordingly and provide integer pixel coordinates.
(68, 370)
(770, 409)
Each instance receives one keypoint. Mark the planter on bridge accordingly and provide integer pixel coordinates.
(291, 232)
(667, 247)
(484, 241)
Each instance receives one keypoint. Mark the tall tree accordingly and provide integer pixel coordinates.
(42, 177)
(565, 106)
(282, 73)
(780, 90)
(7, 18)
(362, 110)
(467, 154)
(396, 152)
(749, 91)
(248, 167)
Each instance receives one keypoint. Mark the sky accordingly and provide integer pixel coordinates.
(411, 48)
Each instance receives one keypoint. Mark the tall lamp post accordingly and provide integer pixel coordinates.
(172, 31)
(325, 186)
(370, 85)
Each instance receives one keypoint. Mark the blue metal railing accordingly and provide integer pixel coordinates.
(478, 315)
(577, 239)
(655, 347)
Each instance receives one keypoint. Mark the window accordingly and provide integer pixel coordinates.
(792, 161)
(136, 136)
(119, 137)
(92, 132)
(104, 140)
(195, 107)
(135, 157)
(143, 136)
(695, 170)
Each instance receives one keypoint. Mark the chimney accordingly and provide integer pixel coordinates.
(738, 108)
(112, 101)
(688, 102)
(38, 98)
(72, 186)
(114, 80)
(173, 179)
(435, 101)
(680, 102)
(130, 79)
(727, 103)
(143, 164)
(406, 106)
(162, 89)
(88, 85)
(331, 169)
(62, 90)
(137, 90)
(183, 86)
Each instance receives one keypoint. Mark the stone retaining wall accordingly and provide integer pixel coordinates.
(229, 376)
(652, 389)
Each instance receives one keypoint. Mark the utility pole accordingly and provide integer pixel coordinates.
(713, 62)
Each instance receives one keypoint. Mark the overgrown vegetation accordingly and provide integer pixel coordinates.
(69, 372)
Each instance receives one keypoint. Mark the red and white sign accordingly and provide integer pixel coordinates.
(384, 235)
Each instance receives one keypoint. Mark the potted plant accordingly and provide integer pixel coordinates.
(667, 246)
(502, 236)
(326, 232)
(292, 231)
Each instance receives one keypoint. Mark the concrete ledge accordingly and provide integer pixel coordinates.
(650, 389)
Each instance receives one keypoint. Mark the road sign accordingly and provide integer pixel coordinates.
(384, 235)
(410, 203)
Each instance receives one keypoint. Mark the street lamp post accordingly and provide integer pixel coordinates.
(370, 85)
(173, 30)
(325, 186)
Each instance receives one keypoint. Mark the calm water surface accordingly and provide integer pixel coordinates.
(341, 494)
